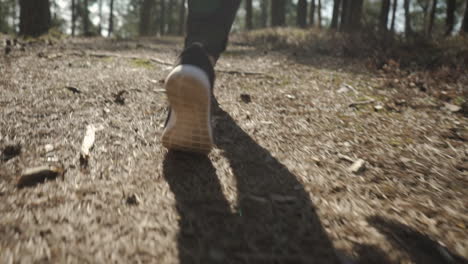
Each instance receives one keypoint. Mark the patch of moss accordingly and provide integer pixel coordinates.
(142, 63)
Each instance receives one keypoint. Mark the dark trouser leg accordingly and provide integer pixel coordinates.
(209, 22)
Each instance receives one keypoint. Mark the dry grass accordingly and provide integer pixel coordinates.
(275, 190)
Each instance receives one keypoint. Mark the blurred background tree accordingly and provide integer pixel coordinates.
(129, 18)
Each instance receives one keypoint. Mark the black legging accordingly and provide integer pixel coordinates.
(209, 22)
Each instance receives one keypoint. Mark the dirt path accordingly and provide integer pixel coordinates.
(277, 189)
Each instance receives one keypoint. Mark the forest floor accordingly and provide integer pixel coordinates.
(278, 188)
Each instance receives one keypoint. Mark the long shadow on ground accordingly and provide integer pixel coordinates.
(418, 246)
(275, 221)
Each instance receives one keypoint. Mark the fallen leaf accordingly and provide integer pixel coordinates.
(88, 143)
(452, 108)
(246, 98)
(358, 166)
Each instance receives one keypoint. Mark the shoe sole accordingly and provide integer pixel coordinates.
(189, 125)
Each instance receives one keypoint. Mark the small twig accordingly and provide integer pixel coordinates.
(159, 61)
(354, 104)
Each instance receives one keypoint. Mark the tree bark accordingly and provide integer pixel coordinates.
(319, 13)
(351, 16)
(264, 13)
(86, 18)
(336, 12)
(464, 27)
(100, 17)
(170, 20)
(145, 17)
(450, 17)
(35, 17)
(301, 13)
(278, 13)
(162, 17)
(312, 13)
(431, 18)
(182, 18)
(248, 14)
(383, 18)
(111, 18)
(73, 18)
(408, 29)
(394, 8)
(344, 14)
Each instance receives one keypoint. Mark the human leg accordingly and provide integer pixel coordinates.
(189, 85)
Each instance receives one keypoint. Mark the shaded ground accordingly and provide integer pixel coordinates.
(277, 188)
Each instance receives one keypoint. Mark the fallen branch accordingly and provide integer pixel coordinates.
(33, 176)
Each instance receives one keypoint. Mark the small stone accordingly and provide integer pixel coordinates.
(48, 148)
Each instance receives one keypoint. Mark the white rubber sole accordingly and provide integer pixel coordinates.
(189, 125)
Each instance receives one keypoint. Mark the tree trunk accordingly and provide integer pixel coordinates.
(34, 17)
(344, 14)
(464, 27)
(162, 18)
(394, 8)
(319, 13)
(312, 13)
(336, 12)
(170, 21)
(450, 18)
(100, 17)
(111, 18)
(248, 14)
(302, 13)
(352, 13)
(182, 18)
(383, 18)
(408, 29)
(73, 18)
(86, 18)
(278, 13)
(145, 17)
(264, 14)
(431, 18)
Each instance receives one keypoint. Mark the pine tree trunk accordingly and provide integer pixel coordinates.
(319, 13)
(383, 18)
(464, 27)
(408, 29)
(352, 12)
(336, 12)
(302, 13)
(162, 18)
(35, 17)
(264, 13)
(248, 14)
(170, 22)
(344, 14)
(100, 17)
(145, 17)
(431, 18)
(182, 18)
(86, 18)
(394, 8)
(278, 13)
(312, 13)
(450, 18)
(73, 18)
(111, 18)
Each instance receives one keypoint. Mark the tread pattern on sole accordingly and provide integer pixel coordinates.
(189, 127)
